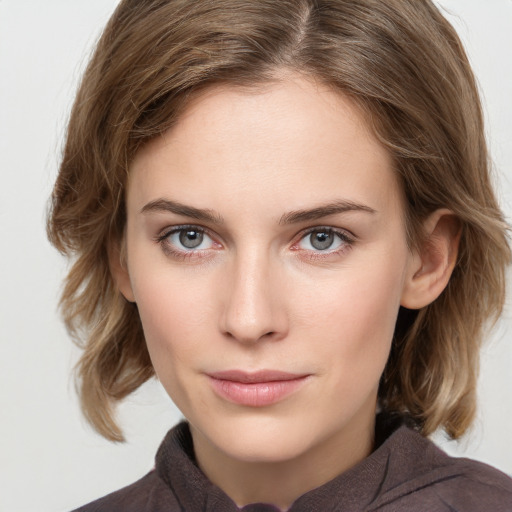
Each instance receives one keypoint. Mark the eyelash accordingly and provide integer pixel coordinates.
(347, 239)
(168, 248)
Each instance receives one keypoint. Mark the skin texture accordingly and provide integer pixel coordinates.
(257, 295)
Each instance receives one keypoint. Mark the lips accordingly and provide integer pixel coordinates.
(256, 389)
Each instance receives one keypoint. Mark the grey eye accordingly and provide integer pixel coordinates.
(321, 240)
(191, 238)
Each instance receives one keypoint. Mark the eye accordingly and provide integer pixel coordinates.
(186, 240)
(324, 239)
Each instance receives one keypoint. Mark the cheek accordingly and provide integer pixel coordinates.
(366, 293)
(353, 317)
(174, 323)
(174, 311)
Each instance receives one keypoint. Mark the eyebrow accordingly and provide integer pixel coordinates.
(325, 210)
(165, 205)
(293, 217)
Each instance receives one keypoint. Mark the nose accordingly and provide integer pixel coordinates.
(254, 306)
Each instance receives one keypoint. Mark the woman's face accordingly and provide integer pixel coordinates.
(267, 255)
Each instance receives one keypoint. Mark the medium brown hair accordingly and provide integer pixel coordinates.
(400, 61)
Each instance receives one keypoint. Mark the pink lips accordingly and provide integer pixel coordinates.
(255, 389)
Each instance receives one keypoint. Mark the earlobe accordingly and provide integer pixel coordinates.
(431, 265)
(119, 269)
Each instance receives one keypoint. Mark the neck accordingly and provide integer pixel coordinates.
(281, 483)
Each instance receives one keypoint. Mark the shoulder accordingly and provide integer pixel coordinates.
(424, 478)
(157, 490)
(149, 494)
(475, 486)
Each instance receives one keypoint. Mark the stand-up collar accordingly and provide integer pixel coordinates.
(355, 489)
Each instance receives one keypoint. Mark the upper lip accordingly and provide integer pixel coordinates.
(256, 377)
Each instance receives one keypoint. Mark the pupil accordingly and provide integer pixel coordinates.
(191, 238)
(322, 240)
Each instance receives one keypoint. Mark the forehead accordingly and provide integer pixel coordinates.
(290, 141)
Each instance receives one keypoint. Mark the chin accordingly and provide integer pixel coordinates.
(263, 448)
(263, 438)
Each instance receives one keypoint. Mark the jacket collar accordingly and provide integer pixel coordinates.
(354, 489)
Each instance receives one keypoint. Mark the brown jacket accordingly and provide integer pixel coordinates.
(406, 473)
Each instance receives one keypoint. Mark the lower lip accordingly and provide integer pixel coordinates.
(256, 394)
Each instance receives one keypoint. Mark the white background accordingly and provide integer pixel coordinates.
(50, 460)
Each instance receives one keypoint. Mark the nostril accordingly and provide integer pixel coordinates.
(250, 337)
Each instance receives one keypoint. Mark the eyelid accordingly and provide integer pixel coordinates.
(178, 253)
(342, 232)
(347, 238)
(164, 233)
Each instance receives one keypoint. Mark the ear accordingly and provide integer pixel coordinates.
(430, 266)
(119, 268)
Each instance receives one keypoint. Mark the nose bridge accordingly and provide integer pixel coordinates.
(254, 308)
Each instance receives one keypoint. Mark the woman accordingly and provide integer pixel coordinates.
(283, 210)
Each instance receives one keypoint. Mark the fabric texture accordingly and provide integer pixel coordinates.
(405, 473)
